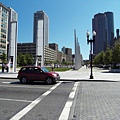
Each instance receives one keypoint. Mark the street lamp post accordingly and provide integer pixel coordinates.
(92, 40)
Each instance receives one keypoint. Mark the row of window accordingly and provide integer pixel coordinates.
(4, 10)
(3, 20)
(2, 51)
(3, 41)
(4, 15)
(2, 46)
(3, 36)
(4, 31)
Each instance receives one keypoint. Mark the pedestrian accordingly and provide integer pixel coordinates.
(86, 66)
(3, 67)
(6, 67)
(52, 67)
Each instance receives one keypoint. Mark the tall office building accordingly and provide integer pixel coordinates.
(110, 21)
(4, 17)
(8, 34)
(40, 35)
(103, 24)
(44, 26)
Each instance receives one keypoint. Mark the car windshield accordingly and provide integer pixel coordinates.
(44, 69)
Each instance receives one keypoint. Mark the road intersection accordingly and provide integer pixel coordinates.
(75, 97)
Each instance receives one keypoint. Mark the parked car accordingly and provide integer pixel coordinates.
(36, 73)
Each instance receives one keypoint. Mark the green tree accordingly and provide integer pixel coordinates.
(99, 59)
(22, 59)
(108, 56)
(29, 59)
(3, 58)
(116, 54)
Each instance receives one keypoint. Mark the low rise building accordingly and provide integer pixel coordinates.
(51, 53)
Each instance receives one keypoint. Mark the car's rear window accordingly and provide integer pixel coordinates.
(44, 69)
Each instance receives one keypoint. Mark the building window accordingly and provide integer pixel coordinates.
(4, 31)
(3, 25)
(4, 15)
(3, 36)
(4, 10)
(3, 41)
(4, 21)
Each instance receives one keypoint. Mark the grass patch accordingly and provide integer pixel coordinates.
(59, 69)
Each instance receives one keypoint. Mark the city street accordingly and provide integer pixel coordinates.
(38, 101)
(81, 100)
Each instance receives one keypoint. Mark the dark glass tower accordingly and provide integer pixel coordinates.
(103, 24)
(110, 22)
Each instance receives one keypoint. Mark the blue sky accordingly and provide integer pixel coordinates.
(64, 17)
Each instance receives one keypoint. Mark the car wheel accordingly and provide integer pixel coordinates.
(23, 80)
(49, 81)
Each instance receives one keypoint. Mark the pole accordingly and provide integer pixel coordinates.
(91, 75)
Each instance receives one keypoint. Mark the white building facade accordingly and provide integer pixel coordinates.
(4, 17)
(12, 38)
(41, 34)
(8, 34)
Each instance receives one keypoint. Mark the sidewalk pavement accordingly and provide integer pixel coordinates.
(78, 75)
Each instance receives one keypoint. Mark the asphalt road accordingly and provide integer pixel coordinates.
(35, 101)
(66, 100)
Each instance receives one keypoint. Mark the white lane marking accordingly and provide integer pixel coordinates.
(71, 114)
(22, 86)
(33, 104)
(65, 113)
(15, 100)
(6, 82)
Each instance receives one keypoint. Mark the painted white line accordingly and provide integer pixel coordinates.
(33, 104)
(22, 86)
(65, 113)
(71, 114)
(6, 82)
(15, 100)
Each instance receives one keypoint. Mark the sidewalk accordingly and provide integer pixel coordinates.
(84, 74)
(77, 75)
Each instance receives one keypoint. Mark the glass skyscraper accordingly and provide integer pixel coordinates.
(110, 21)
(103, 24)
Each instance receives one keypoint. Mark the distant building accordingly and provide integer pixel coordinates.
(103, 24)
(68, 52)
(53, 46)
(63, 49)
(49, 54)
(117, 33)
(8, 34)
(110, 22)
(4, 21)
(44, 20)
(117, 38)
(40, 35)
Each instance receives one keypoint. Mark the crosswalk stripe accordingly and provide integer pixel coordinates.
(65, 113)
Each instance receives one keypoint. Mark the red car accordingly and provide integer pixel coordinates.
(36, 73)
